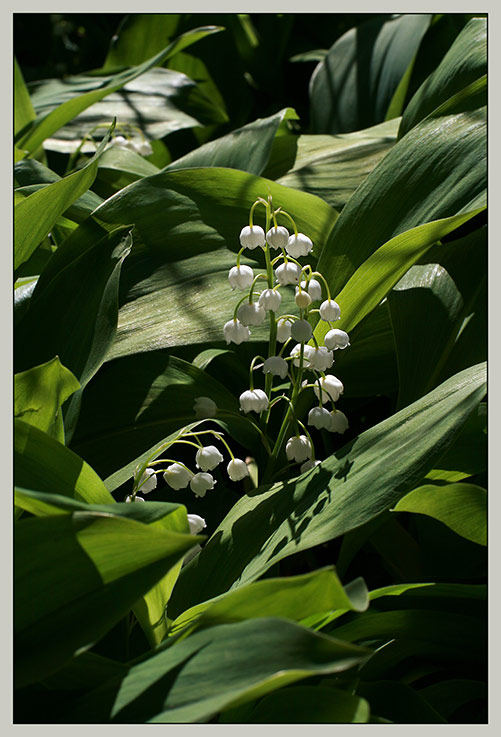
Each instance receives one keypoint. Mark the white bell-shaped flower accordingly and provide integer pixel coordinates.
(319, 417)
(337, 339)
(235, 332)
(330, 310)
(120, 142)
(196, 523)
(148, 481)
(204, 408)
(283, 329)
(276, 365)
(251, 313)
(298, 448)
(298, 245)
(252, 236)
(270, 299)
(314, 289)
(143, 148)
(130, 499)
(338, 423)
(288, 273)
(277, 237)
(302, 298)
(332, 388)
(301, 331)
(201, 483)
(240, 277)
(307, 465)
(321, 358)
(253, 400)
(237, 469)
(296, 352)
(208, 458)
(177, 476)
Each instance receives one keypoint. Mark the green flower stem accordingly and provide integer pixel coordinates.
(264, 437)
(251, 369)
(317, 273)
(291, 219)
(238, 257)
(251, 290)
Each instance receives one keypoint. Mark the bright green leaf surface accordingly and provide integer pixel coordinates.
(332, 167)
(43, 464)
(139, 36)
(39, 394)
(68, 595)
(355, 484)
(464, 64)
(35, 215)
(462, 507)
(47, 125)
(436, 171)
(353, 86)
(191, 685)
(296, 598)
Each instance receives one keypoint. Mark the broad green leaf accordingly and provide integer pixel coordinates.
(183, 217)
(70, 594)
(47, 125)
(447, 696)
(246, 148)
(462, 507)
(35, 215)
(39, 394)
(139, 36)
(352, 88)
(296, 598)
(30, 176)
(23, 109)
(310, 705)
(120, 167)
(160, 395)
(372, 281)
(444, 289)
(433, 173)
(82, 289)
(352, 486)
(465, 63)
(332, 167)
(157, 103)
(41, 463)
(195, 68)
(259, 656)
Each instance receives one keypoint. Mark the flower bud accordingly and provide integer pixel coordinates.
(287, 273)
(148, 481)
(321, 359)
(130, 499)
(201, 483)
(283, 329)
(303, 299)
(332, 388)
(319, 417)
(335, 339)
(338, 423)
(204, 408)
(298, 448)
(177, 476)
(253, 400)
(251, 313)
(330, 310)
(208, 458)
(301, 330)
(307, 465)
(298, 245)
(196, 524)
(277, 237)
(270, 299)
(240, 277)
(276, 365)
(237, 469)
(235, 332)
(252, 236)
(314, 289)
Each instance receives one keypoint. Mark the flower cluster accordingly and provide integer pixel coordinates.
(140, 146)
(300, 351)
